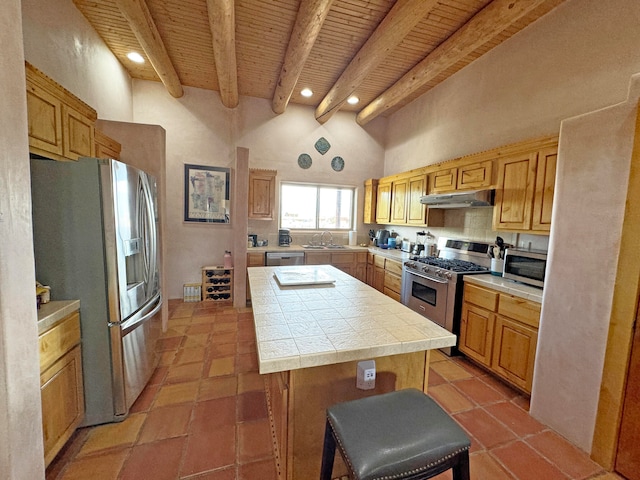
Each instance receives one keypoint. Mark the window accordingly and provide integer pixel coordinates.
(316, 207)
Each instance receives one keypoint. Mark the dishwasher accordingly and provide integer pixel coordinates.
(285, 258)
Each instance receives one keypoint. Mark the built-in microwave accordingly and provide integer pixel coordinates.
(526, 266)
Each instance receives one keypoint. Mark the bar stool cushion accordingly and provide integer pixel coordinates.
(395, 435)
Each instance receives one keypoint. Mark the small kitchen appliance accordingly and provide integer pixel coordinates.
(382, 238)
(419, 245)
(253, 238)
(525, 266)
(433, 285)
(406, 246)
(284, 237)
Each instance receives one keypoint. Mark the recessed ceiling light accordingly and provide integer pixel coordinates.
(135, 57)
(352, 100)
(306, 92)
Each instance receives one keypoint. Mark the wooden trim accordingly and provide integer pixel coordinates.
(621, 326)
(486, 25)
(222, 23)
(311, 15)
(398, 23)
(138, 16)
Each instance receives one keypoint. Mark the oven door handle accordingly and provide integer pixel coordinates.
(437, 280)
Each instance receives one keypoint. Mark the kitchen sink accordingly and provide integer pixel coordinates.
(335, 246)
(323, 247)
(316, 247)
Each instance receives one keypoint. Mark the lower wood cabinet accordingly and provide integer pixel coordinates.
(353, 263)
(61, 386)
(500, 332)
(385, 275)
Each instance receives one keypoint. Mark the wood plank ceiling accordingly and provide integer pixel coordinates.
(387, 53)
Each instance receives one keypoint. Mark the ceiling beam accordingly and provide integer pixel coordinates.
(137, 15)
(482, 28)
(400, 20)
(222, 22)
(311, 15)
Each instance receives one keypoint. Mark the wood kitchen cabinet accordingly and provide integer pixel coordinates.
(392, 279)
(524, 191)
(418, 213)
(399, 192)
(475, 175)
(262, 194)
(61, 384)
(61, 126)
(106, 147)
(353, 263)
(444, 180)
(383, 203)
(500, 332)
(370, 199)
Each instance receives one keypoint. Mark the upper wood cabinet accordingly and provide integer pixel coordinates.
(399, 191)
(106, 147)
(475, 175)
(416, 211)
(262, 194)
(383, 203)
(61, 126)
(524, 191)
(370, 199)
(545, 184)
(444, 180)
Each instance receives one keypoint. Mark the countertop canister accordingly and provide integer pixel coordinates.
(353, 237)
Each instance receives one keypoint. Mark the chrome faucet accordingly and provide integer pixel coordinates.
(322, 242)
(315, 240)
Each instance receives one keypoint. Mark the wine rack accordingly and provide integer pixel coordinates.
(217, 284)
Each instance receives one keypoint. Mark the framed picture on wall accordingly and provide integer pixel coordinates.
(206, 194)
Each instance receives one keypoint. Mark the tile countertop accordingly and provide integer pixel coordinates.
(506, 286)
(313, 325)
(51, 312)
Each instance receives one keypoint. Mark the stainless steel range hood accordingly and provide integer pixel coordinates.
(470, 199)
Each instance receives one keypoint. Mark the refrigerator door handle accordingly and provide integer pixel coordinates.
(141, 316)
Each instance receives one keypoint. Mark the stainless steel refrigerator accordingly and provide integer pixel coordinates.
(95, 227)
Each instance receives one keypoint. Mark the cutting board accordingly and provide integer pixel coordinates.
(294, 276)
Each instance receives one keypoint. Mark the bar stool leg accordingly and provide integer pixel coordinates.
(461, 468)
(328, 453)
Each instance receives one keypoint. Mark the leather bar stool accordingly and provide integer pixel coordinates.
(402, 435)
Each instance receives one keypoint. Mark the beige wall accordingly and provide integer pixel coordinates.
(59, 41)
(21, 450)
(201, 131)
(574, 60)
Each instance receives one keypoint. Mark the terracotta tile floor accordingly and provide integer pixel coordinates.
(203, 416)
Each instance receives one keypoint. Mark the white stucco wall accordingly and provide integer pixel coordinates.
(203, 132)
(574, 60)
(21, 448)
(594, 160)
(59, 41)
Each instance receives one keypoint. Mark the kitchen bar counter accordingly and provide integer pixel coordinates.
(312, 325)
(310, 339)
(506, 286)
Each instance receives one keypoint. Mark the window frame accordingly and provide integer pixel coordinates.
(319, 186)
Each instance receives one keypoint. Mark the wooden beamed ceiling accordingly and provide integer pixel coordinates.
(387, 53)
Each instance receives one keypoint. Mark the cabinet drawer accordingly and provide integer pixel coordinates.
(392, 282)
(520, 309)
(255, 259)
(481, 297)
(343, 258)
(57, 341)
(393, 267)
(391, 293)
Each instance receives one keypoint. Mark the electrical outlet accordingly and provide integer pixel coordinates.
(366, 375)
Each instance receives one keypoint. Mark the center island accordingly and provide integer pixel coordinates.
(313, 325)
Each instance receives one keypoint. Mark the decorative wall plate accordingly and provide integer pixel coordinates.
(322, 145)
(304, 160)
(337, 164)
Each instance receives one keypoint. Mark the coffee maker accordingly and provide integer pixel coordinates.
(284, 237)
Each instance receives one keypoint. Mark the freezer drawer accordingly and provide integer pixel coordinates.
(285, 258)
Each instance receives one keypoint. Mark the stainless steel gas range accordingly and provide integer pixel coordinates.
(432, 286)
